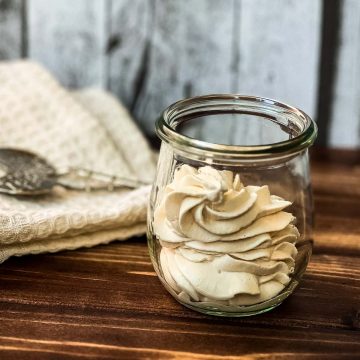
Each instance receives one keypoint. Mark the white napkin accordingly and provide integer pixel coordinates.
(88, 129)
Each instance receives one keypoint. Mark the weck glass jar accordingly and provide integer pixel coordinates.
(230, 221)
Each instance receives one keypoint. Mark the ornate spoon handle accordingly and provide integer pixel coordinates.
(84, 179)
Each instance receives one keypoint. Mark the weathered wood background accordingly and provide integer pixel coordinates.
(153, 52)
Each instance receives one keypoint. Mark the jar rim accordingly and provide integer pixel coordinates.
(167, 122)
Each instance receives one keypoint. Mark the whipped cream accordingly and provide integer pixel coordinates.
(223, 244)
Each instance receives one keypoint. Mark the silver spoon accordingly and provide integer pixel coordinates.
(26, 173)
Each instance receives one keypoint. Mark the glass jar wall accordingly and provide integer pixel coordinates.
(229, 226)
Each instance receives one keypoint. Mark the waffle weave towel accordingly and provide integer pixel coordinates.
(88, 129)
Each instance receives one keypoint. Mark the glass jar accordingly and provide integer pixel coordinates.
(229, 225)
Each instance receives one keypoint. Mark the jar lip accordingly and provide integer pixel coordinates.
(167, 133)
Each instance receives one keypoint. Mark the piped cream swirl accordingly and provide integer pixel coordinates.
(224, 243)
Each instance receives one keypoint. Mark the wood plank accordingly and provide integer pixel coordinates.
(136, 341)
(11, 29)
(128, 47)
(337, 227)
(335, 179)
(68, 38)
(345, 120)
(330, 34)
(134, 316)
(184, 59)
(277, 66)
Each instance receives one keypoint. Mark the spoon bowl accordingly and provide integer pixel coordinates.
(25, 173)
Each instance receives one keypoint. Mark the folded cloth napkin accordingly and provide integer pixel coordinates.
(88, 129)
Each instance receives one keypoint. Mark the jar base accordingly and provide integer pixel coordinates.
(236, 311)
(228, 314)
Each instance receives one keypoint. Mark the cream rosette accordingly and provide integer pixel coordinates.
(224, 243)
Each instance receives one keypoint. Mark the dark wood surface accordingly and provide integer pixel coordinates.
(106, 302)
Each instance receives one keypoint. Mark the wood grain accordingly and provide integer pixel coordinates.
(345, 124)
(128, 47)
(277, 66)
(336, 184)
(107, 303)
(11, 29)
(191, 54)
(69, 38)
(330, 39)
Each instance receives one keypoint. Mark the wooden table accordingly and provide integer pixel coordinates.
(106, 302)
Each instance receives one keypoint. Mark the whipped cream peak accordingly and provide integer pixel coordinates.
(223, 241)
(205, 182)
(210, 205)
